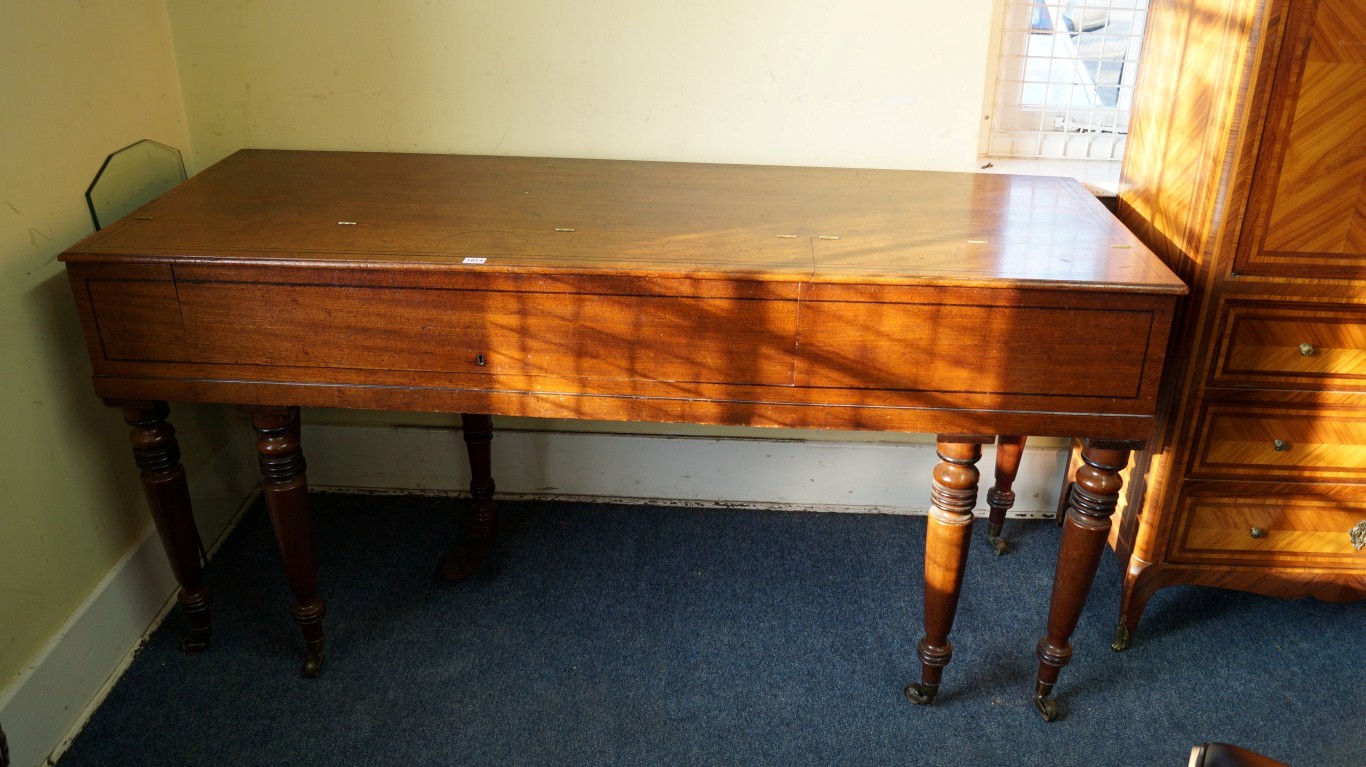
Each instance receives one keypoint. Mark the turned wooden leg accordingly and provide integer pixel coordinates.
(469, 553)
(1001, 496)
(1092, 500)
(1069, 474)
(168, 496)
(952, 496)
(286, 489)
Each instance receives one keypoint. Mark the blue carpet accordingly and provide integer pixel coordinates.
(619, 635)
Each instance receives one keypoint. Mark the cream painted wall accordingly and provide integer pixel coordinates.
(876, 83)
(81, 79)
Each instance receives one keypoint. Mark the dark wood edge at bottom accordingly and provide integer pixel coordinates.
(1120, 430)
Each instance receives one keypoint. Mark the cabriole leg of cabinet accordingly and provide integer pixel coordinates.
(953, 496)
(468, 554)
(1001, 496)
(168, 497)
(1141, 582)
(285, 485)
(1091, 501)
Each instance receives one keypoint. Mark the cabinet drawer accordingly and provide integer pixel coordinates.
(1316, 346)
(1237, 441)
(1271, 529)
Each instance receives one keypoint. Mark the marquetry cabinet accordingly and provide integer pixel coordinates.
(1246, 172)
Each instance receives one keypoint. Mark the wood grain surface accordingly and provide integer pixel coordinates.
(1273, 443)
(1290, 529)
(1246, 172)
(1293, 346)
(658, 219)
(819, 297)
(1315, 213)
(1309, 215)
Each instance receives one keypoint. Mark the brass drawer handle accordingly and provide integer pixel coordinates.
(1258, 532)
(1307, 349)
(1280, 445)
(1358, 535)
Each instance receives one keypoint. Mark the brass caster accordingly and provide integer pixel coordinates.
(313, 664)
(998, 545)
(194, 641)
(1123, 637)
(1047, 707)
(921, 694)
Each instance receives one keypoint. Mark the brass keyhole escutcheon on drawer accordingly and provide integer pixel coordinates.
(1358, 535)
(1258, 532)
(480, 361)
(1280, 445)
(1307, 349)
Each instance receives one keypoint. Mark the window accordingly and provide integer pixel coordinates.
(1065, 81)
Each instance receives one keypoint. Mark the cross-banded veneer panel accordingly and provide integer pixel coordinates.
(1291, 346)
(1240, 441)
(1313, 221)
(1271, 529)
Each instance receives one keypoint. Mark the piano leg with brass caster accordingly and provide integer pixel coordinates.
(1001, 496)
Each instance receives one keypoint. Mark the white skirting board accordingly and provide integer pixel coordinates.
(868, 477)
(51, 699)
